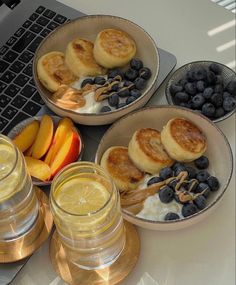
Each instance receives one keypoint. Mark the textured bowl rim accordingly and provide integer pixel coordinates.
(213, 125)
(47, 100)
(169, 97)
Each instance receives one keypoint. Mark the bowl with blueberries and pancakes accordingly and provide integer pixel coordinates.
(95, 69)
(166, 164)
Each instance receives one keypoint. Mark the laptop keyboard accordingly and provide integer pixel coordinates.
(19, 98)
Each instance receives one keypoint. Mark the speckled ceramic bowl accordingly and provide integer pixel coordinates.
(88, 27)
(120, 133)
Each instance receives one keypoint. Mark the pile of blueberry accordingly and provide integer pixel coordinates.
(203, 89)
(133, 81)
(196, 187)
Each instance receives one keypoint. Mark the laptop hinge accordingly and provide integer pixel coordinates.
(11, 3)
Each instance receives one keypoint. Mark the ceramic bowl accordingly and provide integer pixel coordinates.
(88, 27)
(24, 123)
(121, 132)
(227, 75)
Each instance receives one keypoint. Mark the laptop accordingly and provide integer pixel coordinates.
(23, 25)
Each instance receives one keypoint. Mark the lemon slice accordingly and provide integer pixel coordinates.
(81, 196)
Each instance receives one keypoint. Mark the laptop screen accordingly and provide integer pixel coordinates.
(0, 3)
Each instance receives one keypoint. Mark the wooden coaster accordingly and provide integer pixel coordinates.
(22, 247)
(110, 275)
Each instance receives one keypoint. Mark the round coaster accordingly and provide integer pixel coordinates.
(110, 275)
(22, 247)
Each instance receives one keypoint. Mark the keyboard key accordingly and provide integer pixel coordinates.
(36, 28)
(49, 14)
(45, 32)
(4, 100)
(52, 25)
(10, 56)
(42, 21)
(26, 56)
(11, 41)
(33, 17)
(19, 32)
(3, 123)
(28, 70)
(31, 108)
(60, 19)
(9, 112)
(12, 90)
(17, 66)
(3, 50)
(2, 86)
(8, 76)
(21, 80)
(32, 82)
(24, 41)
(18, 118)
(37, 98)
(3, 66)
(18, 101)
(27, 24)
(34, 45)
(40, 9)
(28, 91)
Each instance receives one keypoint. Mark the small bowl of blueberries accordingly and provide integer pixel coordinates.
(206, 87)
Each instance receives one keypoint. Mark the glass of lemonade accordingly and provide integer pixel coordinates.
(86, 209)
(18, 201)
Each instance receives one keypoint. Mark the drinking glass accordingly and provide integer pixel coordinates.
(18, 201)
(86, 208)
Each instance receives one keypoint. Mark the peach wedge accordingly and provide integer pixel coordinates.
(38, 168)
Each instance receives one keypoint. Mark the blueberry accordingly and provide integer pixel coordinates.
(191, 172)
(140, 83)
(131, 74)
(213, 183)
(130, 100)
(211, 78)
(200, 73)
(124, 92)
(121, 105)
(166, 194)
(208, 110)
(190, 88)
(176, 165)
(105, 109)
(113, 100)
(202, 175)
(136, 63)
(218, 88)
(173, 183)
(171, 216)
(229, 103)
(182, 82)
(198, 100)
(165, 173)
(193, 185)
(87, 81)
(154, 180)
(129, 84)
(115, 87)
(231, 87)
(202, 162)
(219, 79)
(190, 76)
(219, 112)
(174, 88)
(189, 209)
(114, 72)
(216, 68)
(135, 93)
(208, 92)
(200, 202)
(226, 94)
(181, 97)
(99, 80)
(202, 188)
(216, 99)
(179, 169)
(185, 105)
(145, 73)
(201, 85)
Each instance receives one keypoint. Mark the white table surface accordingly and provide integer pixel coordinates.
(204, 253)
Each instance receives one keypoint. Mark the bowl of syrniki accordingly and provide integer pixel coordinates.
(171, 166)
(95, 69)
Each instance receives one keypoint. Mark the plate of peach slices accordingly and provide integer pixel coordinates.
(48, 143)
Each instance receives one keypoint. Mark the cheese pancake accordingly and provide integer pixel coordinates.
(183, 140)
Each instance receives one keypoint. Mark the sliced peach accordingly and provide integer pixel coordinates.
(64, 128)
(68, 153)
(27, 136)
(29, 151)
(44, 137)
(38, 168)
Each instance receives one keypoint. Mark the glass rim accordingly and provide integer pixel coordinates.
(16, 156)
(80, 163)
